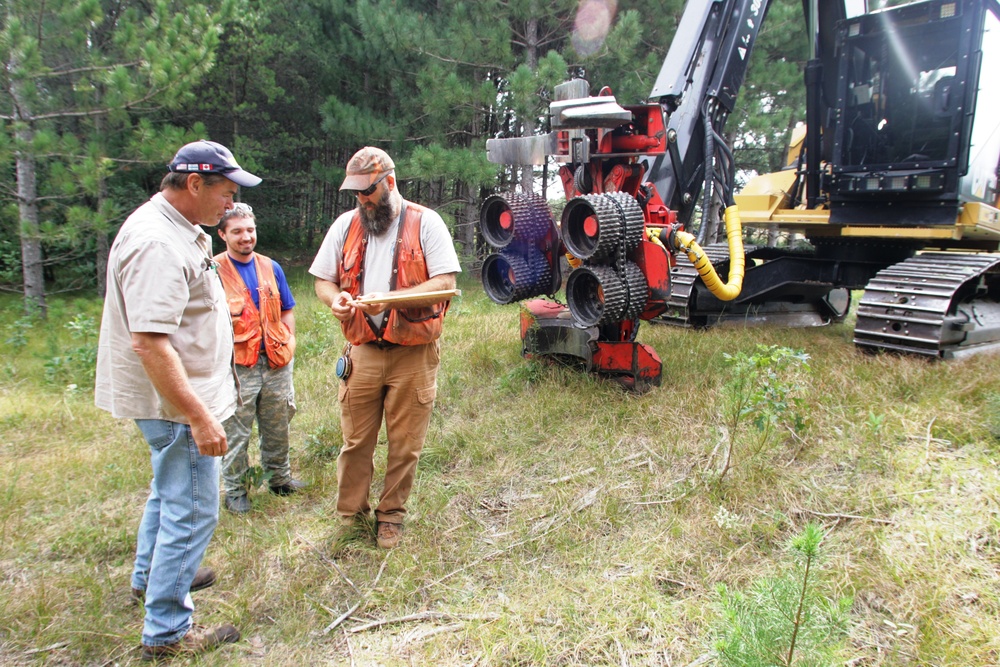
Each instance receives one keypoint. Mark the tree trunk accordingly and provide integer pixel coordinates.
(527, 175)
(103, 247)
(31, 242)
(465, 232)
(32, 270)
(772, 236)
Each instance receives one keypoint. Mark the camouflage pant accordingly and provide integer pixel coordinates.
(269, 397)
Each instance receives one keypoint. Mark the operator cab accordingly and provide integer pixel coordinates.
(906, 90)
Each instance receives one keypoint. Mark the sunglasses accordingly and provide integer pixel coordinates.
(371, 188)
(239, 210)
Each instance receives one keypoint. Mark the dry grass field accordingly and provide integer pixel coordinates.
(556, 519)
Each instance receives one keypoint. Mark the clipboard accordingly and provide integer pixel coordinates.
(404, 299)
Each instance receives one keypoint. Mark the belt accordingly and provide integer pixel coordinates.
(382, 344)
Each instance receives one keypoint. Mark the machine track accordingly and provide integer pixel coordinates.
(928, 305)
(682, 280)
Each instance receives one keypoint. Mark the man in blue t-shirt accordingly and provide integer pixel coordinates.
(264, 332)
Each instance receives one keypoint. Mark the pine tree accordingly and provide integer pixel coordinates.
(75, 73)
(275, 64)
(772, 99)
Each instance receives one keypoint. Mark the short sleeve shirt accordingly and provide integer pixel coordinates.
(248, 272)
(161, 279)
(435, 239)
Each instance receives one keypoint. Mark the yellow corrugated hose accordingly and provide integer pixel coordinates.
(737, 260)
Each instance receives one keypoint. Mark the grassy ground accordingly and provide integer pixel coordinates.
(556, 520)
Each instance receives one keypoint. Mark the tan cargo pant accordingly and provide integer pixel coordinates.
(399, 384)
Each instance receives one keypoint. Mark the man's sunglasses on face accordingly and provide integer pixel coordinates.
(367, 192)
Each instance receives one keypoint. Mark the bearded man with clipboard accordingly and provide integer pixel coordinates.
(387, 271)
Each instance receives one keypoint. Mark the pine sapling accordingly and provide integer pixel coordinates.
(782, 621)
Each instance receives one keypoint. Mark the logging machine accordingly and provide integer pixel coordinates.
(891, 185)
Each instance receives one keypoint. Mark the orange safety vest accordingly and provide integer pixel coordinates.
(249, 324)
(403, 326)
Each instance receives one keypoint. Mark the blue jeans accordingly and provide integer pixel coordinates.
(177, 525)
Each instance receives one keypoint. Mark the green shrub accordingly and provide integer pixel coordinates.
(993, 414)
(255, 477)
(323, 444)
(758, 399)
(76, 364)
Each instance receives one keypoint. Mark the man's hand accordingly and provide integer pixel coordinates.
(339, 301)
(372, 308)
(210, 437)
(166, 372)
(343, 306)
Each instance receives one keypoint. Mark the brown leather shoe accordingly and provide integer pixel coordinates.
(197, 640)
(203, 578)
(389, 534)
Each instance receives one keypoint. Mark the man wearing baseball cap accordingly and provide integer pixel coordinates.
(387, 246)
(208, 157)
(165, 360)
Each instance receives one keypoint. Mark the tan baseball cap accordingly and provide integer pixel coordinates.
(365, 167)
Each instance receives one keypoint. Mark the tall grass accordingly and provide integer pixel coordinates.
(556, 520)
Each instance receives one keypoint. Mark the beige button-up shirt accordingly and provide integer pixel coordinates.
(161, 279)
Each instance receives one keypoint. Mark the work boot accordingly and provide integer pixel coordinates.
(293, 486)
(389, 534)
(203, 578)
(197, 640)
(237, 504)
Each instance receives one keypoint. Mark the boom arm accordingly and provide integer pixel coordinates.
(697, 88)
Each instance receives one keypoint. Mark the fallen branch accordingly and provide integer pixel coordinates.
(487, 557)
(364, 600)
(675, 582)
(659, 502)
(426, 634)
(586, 500)
(343, 617)
(423, 616)
(650, 450)
(557, 480)
(802, 444)
(332, 563)
(927, 450)
(53, 647)
(889, 522)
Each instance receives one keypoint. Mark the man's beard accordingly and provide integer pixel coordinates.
(376, 220)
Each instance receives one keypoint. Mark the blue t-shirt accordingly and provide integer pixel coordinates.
(248, 272)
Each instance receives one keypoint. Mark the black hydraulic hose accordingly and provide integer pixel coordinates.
(722, 187)
(793, 194)
(814, 120)
(728, 198)
(706, 201)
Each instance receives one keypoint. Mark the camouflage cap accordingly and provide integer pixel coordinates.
(365, 167)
